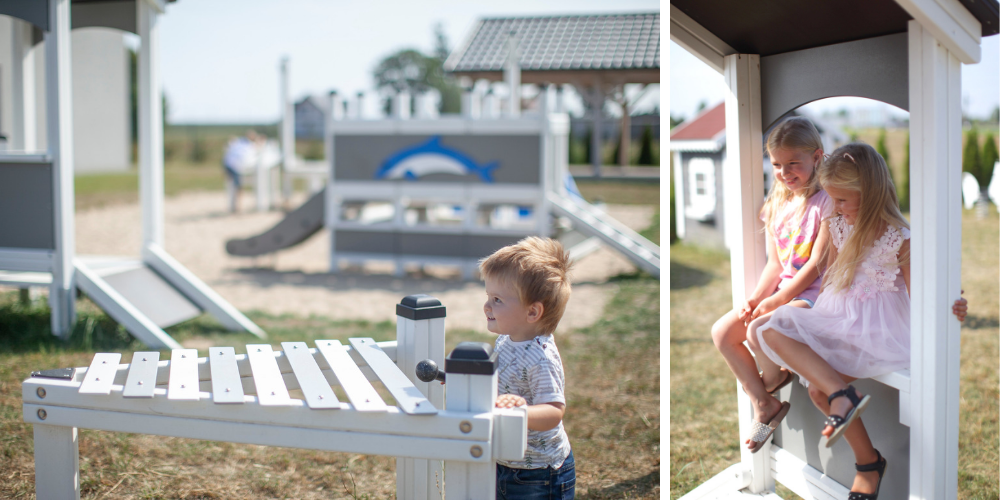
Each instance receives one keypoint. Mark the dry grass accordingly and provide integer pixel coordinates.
(703, 431)
(613, 416)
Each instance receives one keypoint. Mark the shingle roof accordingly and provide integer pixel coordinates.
(581, 42)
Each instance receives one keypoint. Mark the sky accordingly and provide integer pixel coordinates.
(220, 58)
(692, 82)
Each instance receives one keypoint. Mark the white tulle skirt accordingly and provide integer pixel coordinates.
(859, 336)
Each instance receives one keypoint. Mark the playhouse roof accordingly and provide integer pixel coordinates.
(616, 48)
(776, 27)
(706, 131)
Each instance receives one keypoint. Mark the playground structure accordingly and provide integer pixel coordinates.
(37, 247)
(918, 48)
(445, 189)
(244, 398)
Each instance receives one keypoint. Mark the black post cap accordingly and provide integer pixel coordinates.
(420, 306)
(472, 358)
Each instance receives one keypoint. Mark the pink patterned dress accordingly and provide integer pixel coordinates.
(862, 331)
(795, 230)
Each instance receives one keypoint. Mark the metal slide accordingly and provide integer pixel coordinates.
(295, 228)
(590, 220)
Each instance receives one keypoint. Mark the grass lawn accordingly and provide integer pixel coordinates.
(703, 422)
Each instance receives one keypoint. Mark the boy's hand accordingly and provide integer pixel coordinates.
(510, 401)
(961, 308)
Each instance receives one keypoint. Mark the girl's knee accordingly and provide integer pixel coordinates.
(722, 330)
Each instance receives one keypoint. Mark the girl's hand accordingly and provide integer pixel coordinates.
(510, 401)
(767, 305)
(748, 307)
(960, 308)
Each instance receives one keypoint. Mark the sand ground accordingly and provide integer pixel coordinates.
(298, 281)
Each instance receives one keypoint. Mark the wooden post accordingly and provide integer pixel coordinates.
(420, 336)
(287, 129)
(150, 125)
(23, 87)
(59, 123)
(743, 187)
(57, 461)
(935, 263)
(472, 386)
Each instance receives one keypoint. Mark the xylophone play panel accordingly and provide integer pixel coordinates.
(101, 374)
(271, 388)
(141, 381)
(226, 384)
(408, 397)
(183, 384)
(362, 394)
(317, 391)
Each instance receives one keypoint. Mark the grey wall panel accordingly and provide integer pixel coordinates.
(483, 246)
(27, 217)
(437, 245)
(364, 241)
(876, 68)
(518, 157)
(113, 14)
(36, 13)
(800, 435)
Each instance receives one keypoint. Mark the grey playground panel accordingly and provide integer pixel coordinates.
(359, 157)
(27, 211)
(471, 246)
(152, 296)
(800, 435)
(295, 228)
(878, 68)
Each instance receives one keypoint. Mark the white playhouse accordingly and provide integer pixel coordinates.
(904, 52)
(37, 246)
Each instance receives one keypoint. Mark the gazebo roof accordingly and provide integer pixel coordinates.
(779, 26)
(577, 49)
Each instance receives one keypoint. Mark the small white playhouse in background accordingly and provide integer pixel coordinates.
(907, 53)
(37, 247)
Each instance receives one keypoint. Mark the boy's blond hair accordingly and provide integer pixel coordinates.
(537, 269)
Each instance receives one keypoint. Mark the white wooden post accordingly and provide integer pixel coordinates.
(287, 128)
(472, 386)
(57, 461)
(59, 125)
(935, 263)
(512, 74)
(150, 124)
(23, 87)
(743, 187)
(420, 336)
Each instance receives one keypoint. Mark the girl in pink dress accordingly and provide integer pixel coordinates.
(792, 215)
(860, 324)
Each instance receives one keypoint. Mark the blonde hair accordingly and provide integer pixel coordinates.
(538, 269)
(858, 167)
(793, 133)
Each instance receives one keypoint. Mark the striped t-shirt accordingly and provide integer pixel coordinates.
(533, 370)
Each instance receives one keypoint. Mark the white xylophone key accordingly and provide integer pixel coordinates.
(141, 380)
(271, 390)
(101, 374)
(183, 382)
(315, 388)
(226, 384)
(408, 397)
(363, 396)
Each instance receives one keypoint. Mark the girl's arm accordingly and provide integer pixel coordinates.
(541, 417)
(769, 280)
(961, 306)
(805, 277)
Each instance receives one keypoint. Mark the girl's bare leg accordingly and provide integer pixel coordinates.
(770, 371)
(856, 436)
(728, 334)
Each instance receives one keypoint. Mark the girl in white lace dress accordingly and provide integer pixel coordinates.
(860, 325)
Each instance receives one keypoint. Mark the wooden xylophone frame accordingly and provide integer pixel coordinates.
(449, 452)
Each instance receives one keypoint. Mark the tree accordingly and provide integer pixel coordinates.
(882, 150)
(970, 155)
(987, 160)
(904, 186)
(995, 115)
(675, 121)
(701, 105)
(646, 147)
(412, 71)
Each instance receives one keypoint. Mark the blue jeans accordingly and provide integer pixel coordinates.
(530, 484)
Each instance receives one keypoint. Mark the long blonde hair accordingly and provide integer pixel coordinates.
(858, 167)
(793, 133)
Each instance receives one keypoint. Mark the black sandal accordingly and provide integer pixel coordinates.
(879, 466)
(840, 424)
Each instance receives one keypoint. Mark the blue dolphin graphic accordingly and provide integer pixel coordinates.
(431, 157)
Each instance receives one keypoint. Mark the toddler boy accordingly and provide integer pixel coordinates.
(527, 288)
